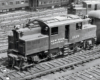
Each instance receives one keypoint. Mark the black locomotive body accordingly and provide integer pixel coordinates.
(49, 37)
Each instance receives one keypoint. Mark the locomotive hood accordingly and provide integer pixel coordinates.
(29, 31)
(33, 37)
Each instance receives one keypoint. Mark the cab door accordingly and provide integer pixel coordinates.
(67, 31)
(95, 7)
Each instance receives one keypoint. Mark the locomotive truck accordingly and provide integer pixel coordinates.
(49, 37)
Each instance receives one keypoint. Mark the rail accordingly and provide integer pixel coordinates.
(50, 66)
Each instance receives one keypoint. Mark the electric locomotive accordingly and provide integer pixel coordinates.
(84, 8)
(49, 37)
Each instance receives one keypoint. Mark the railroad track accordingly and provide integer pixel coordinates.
(92, 73)
(50, 66)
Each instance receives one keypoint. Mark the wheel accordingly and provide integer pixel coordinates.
(53, 55)
(60, 53)
(36, 59)
(9, 62)
(88, 45)
(78, 47)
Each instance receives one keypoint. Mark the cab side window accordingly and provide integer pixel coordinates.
(91, 21)
(3, 3)
(11, 3)
(17, 2)
(45, 30)
(54, 30)
(78, 26)
(89, 6)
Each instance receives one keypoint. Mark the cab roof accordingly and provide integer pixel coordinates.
(92, 2)
(79, 8)
(61, 20)
(94, 14)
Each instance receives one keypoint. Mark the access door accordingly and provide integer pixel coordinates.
(67, 31)
(95, 8)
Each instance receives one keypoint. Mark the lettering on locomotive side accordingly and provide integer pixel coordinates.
(76, 36)
(56, 41)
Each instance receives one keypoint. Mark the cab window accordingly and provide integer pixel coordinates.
(3, 3)
(91, 21)
(78, 26)
(17, 2)
(45, 30)
(89, 6)
(54, 30)
(11, 3)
